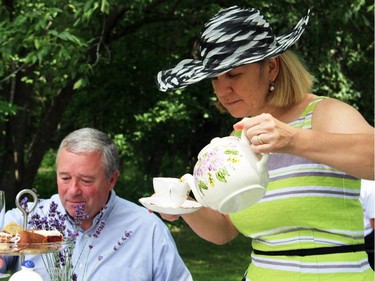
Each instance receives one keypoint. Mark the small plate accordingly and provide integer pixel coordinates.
(33, 248)
(153, 204)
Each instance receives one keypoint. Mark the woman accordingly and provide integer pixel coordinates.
(309, 225)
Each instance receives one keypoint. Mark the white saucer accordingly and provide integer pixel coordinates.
(153, 204)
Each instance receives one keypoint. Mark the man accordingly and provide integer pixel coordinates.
(116, 239)
(367, 199)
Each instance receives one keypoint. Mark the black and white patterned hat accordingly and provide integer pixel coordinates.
(233, 37)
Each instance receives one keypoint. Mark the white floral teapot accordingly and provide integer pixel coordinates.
(228, 175)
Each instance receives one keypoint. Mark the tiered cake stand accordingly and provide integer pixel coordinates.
(20, 249)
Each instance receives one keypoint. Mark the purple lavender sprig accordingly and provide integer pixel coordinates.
(119, 243)
(24, 205)
(124, 237)
(99, 229)
(54, 220)
(80, 215)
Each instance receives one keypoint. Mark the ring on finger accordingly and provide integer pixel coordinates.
(259, 138)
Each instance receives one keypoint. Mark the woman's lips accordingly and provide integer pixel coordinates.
(230, 103)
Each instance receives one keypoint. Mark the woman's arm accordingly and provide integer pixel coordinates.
(340, 137)
(350, 153)
(209, 225)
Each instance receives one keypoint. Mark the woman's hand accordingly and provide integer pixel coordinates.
(267, 134)
(169, 217)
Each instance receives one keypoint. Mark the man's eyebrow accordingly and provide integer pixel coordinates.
(80, 175)
(87, 176)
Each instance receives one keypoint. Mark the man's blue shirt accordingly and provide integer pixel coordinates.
(133, 245)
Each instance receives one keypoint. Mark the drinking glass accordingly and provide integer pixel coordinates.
(2, 217)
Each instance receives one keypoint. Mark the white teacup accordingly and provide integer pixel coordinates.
(171, 192)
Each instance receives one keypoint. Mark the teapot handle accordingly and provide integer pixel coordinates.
(262, 164)
(244, 138)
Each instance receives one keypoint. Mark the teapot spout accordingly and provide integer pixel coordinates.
(189, 179)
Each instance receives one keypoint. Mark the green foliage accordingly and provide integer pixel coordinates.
(48, 40)
(45, 182)
(6, 110)
(108, 53)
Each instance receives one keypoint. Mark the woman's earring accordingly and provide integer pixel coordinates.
(272, 86)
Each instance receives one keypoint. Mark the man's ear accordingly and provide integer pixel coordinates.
(113, 179)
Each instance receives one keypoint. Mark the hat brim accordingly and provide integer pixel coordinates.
(190, 71)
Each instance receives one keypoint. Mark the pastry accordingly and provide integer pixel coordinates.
(14, 240)
(13, 233)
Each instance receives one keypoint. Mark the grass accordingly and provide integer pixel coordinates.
(210, 262)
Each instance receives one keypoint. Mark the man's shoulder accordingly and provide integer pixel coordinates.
(129, 207)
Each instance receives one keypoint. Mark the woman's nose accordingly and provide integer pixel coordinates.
(220, 85)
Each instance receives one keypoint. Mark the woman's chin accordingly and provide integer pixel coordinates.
(238, 114)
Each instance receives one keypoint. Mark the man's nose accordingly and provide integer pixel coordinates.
(74, 187)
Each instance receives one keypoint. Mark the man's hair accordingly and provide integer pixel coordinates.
(88, 140)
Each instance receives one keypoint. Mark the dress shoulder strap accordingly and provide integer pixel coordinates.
(304, 121)
(312, 105)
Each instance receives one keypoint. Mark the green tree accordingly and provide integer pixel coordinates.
(93, 63)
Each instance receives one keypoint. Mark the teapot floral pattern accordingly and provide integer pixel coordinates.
(216, 165)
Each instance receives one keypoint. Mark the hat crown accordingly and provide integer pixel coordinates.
(244, 32)
(233, 37)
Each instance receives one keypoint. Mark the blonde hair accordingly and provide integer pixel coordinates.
(293, 82)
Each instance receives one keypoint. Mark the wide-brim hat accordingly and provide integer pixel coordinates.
(233, 37)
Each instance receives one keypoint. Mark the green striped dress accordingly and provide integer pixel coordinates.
(307, 205)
